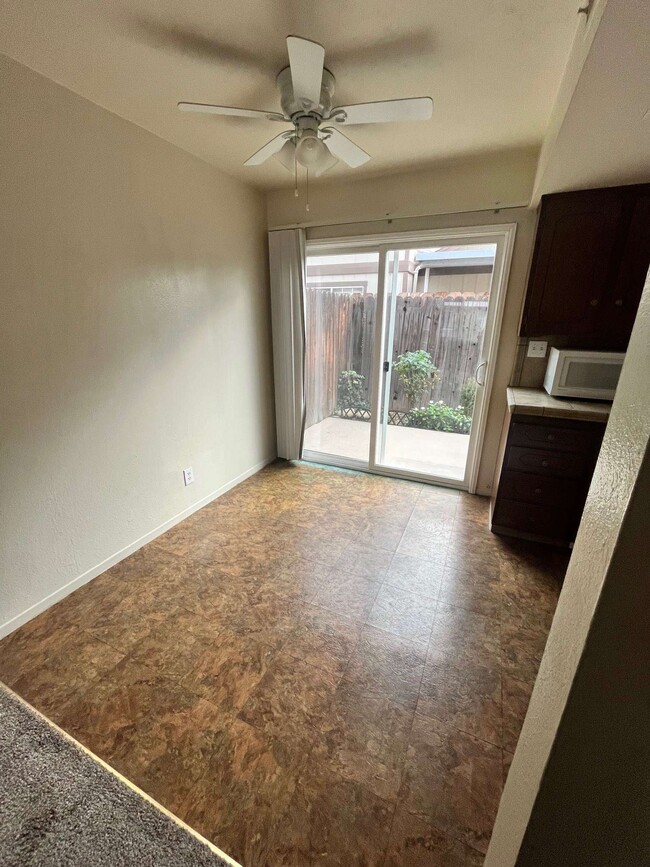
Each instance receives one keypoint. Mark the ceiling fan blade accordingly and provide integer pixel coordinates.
(344, 149)
(325, 166)
(267, 151)
(230, 111)
(386, 111)
(287, 155)
(306, 60)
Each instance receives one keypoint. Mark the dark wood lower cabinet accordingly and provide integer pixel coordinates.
(545, 475)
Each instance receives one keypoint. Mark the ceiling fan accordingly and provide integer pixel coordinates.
(306, 98)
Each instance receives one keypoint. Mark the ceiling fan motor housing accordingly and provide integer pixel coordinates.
(295, 108)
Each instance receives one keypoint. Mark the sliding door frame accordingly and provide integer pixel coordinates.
(503, 235)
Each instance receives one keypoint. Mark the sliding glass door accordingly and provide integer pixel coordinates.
(399, 343)
(436, 308)
(340, 324)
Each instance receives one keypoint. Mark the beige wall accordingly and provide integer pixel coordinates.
(134, 337)
(577, 791)
(487, 181)
(525, 221)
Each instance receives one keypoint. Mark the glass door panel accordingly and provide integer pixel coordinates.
(436, 311)
(340, 317)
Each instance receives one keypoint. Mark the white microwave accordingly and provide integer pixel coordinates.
(576, 373)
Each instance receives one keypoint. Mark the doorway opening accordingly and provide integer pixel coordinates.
(399, 343)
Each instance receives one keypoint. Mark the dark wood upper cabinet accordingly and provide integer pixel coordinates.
(625, 294)
(591, 257)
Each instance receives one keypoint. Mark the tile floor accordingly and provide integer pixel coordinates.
(321, 667)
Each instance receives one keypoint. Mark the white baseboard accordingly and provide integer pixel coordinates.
(31, 612)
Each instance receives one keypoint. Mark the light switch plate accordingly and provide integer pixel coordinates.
(537, 348)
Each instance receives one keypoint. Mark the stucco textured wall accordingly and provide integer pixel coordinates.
(578, 785)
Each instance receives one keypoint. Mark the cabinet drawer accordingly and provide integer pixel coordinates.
(541, 490)
(552, 523)
(555, 438)
(570, 465)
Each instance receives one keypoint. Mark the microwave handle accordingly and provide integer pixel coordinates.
(478, 381)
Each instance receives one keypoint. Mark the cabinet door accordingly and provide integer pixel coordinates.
(619, 311)
(574, 262)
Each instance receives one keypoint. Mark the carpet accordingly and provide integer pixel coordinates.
(61, 807)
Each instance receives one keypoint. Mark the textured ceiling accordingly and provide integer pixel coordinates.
(493, 68)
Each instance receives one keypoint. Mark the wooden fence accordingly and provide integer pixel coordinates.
(340, 336)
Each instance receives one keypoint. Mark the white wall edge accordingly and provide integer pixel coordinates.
(38, 607)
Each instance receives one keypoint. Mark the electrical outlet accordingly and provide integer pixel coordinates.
(537, 348)
(188, 476)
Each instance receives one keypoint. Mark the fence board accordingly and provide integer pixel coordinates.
(340, 336)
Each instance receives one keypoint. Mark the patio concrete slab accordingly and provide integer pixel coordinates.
(421, 451)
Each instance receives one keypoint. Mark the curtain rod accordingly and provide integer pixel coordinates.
(389, 219)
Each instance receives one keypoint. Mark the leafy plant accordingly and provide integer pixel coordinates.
(417, 373)
(468, 397)
(439, 416)
(350, 390)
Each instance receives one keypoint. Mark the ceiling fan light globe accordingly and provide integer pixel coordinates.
(311, 152)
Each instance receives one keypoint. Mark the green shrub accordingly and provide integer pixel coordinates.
(439, 416)
(417, 373)
(350, 391)
(468, 397)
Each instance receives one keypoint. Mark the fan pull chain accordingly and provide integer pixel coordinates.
(307, 192)
(295, 174)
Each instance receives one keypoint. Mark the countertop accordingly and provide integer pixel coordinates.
(535, 401)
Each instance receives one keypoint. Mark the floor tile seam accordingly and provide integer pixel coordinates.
(322, 668)
(308, 663)
(349, 660)
(388, 631)
(370, 692)
(426, 656)
(455, 728)
(348, 571)
(495, 621)
(340, 614)
(164, 676)
(389, 836)
(37, 664)
(305, 723)
(409, 592)
(385, 581)
(468, 610)
(458, 728)
(407, 522)
(107, 643)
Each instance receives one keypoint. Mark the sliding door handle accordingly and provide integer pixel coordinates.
(386, 366)
(483, 365)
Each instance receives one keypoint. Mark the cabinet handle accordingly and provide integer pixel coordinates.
(550, 437)
(594, 302)
(619, 302)
(538, 490)
(544, 463)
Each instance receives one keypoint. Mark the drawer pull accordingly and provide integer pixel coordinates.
(550, 437)
(544, 463)
(538, 490)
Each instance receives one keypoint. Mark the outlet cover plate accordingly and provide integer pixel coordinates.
(537, 348)
(188, 476)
